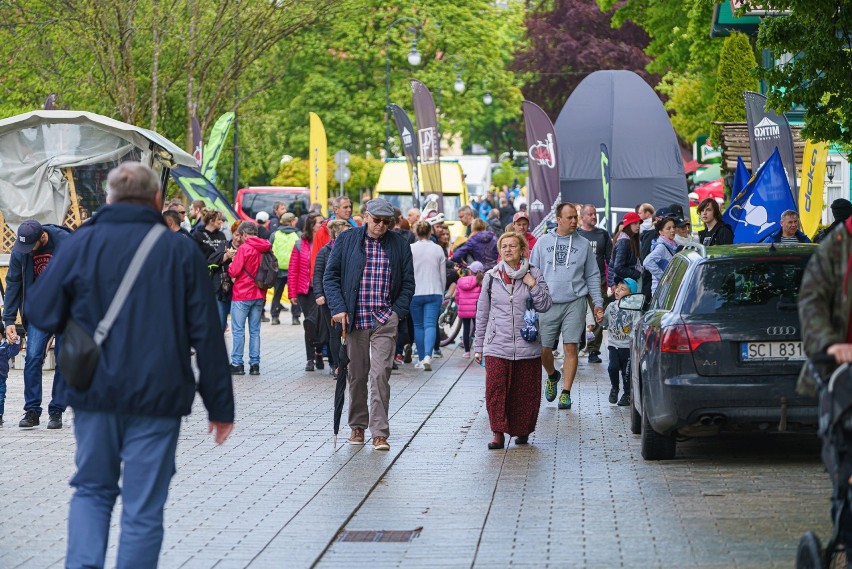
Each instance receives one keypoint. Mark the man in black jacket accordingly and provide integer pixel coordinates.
(126, 423)
(369, 282)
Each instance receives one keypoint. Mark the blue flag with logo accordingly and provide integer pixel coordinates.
(741, 177)
(755, 212)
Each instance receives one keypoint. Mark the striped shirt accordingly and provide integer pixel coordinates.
(374, 294)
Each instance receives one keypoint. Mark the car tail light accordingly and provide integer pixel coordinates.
(681, 339)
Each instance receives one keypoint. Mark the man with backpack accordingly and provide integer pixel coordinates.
(251, 270)
(283, 240)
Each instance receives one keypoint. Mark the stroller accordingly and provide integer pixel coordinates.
(835, 430)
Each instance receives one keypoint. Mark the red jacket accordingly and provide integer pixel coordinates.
(244, 267)
(530, 240)
(322, 237)
(467, 294)
(299, 271)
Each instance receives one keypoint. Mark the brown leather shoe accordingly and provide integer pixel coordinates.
(381, 443)
(356, 437)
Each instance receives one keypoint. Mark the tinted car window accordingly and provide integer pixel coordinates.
(254, 202)
(675, 275)
(737, 286)
(657, 301)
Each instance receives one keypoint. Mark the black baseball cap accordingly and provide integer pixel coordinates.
(29, 232)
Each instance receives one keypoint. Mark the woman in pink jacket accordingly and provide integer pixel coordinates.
(300, 289)
(467, 293)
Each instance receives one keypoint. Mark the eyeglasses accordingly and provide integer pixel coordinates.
(382, 220)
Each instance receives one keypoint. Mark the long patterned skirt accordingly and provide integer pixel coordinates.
(512, 394)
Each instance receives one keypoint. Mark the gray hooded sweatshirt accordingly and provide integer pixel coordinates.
(569, 267)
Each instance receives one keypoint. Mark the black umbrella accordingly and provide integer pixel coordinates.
(340, 387)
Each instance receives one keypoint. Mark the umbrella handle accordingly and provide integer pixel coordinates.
(343, 336)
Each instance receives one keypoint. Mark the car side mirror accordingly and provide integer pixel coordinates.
(632, 302)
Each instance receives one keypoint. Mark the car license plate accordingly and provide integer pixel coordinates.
(771, 351)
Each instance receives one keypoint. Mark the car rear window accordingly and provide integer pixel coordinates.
(253, 202)
(741, 285)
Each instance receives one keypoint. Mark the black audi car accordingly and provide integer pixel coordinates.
(720, 347)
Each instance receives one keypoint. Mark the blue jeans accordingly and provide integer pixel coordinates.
(425, 309)
(242, 310)
(146, 446)
(36, 350)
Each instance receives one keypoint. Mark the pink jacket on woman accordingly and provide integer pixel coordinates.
(299, 271)
(467, 293)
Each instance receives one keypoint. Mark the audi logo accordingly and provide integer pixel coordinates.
(781, 330)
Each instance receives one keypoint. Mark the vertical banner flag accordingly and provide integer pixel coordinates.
(214, 146)
(197, 187)
(318, 163)
(409, 147)
(756, 211)
(811, 192)
(428, 140)
(196, 141)
(741, 177)
(607, 187)
(543, 183)
(766, 132)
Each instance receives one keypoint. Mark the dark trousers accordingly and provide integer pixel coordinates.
(619, 361)
(468, 330)
(308, 304)
(277, 291)
(37, 340)
(332, 334)
(405, 334)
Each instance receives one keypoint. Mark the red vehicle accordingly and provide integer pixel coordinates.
(251, 200)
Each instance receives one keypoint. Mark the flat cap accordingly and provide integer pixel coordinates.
(380, 207)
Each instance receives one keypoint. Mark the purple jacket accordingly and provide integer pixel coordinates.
(500, 316)
(481, 246)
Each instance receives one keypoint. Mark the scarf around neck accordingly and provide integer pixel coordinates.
(507, 272)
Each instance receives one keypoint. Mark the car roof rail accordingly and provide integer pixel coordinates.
(690, 245)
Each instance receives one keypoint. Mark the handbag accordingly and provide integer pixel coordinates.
(530, 330)
(80, 351)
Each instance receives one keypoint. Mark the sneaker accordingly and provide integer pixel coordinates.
(564, 400)
(254, 369)
(437, 354)
(394, 365)
(55, 421)
(613, 395)
(356, 437)
(319, 362)
(625, 400)
(595, 358)
(427, 363)
(466, 355)
(29, 420)
(296, 321)
(380, 443)
(406, 354)
(275, 321)
(237, 369)
(309, 366)
(264, 318)
(398, 359)
(418, 365)
(550, 386)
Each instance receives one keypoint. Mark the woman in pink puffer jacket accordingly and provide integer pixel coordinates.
(467, 293)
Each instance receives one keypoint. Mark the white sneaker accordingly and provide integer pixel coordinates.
(427, 363)
(418, 365)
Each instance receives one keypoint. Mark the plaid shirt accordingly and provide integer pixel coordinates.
(374, 294)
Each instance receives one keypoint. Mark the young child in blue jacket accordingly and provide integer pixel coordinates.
(7, 351)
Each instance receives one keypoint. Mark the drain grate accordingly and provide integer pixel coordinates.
(380, 536)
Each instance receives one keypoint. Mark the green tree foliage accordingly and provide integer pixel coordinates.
(364, 173)
(507, 174)
(736, 65)
(818, 77)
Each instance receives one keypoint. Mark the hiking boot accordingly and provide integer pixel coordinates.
(254, 369)
(564, 400)
(237, 369)
(55, 421)
(613, 395)
(296, 321)
(309, 366)
(625, 400)
(264, 318)
(29, 420)
(356, 437)
(318, 361)
(381, 443)
(275, 321)
(595, 358)
(550, 386)
(406, 354)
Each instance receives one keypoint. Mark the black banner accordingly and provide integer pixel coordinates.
(766, 132)
(428, 140)
(409, 146)
(543, 182)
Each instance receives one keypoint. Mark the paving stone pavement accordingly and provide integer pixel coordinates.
(279, 492)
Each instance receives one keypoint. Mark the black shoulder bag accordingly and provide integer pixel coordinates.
(79, 351)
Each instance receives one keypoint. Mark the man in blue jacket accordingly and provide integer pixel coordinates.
(789, 232)
(369, 282)
(34, 248)
(143, 384)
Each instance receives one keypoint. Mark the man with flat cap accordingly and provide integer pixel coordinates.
(34, 248)
(369, 282)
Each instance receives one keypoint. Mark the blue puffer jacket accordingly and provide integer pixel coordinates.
(345, 267)
(144, 367)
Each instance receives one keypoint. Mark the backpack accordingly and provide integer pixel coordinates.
(282, 247)
(267, 271)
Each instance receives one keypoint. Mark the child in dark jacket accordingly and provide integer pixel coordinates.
(7, 351)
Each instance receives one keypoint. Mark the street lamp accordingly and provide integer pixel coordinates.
(487, 98)
(458, 86)
(831, 170)
(413, 60)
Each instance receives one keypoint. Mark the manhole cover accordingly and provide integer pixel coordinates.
(383, 536)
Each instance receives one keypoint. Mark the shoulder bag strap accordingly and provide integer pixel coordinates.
(127, 282)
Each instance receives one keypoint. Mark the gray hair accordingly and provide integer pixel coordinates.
(465, 209)
(132, 181)
(338, 201)
(790, 213)
(248, 228)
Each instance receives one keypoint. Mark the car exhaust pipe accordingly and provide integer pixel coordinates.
(718, 420)
(706, 420)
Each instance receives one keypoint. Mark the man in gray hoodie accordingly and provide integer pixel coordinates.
(571, 272)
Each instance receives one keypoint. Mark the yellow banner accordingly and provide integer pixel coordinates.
(319, 164)
(811, 190)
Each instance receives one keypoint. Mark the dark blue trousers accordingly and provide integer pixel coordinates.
(146, 447)
(36, 352)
